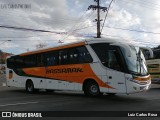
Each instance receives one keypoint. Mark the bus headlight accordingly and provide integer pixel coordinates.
(132, 80)
(138, 81)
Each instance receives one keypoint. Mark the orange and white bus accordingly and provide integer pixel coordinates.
(94, 66)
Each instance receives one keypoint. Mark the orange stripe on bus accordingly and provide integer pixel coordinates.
(82, 73)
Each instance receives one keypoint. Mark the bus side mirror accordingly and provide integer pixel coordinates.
(150, 51)
(125, 47)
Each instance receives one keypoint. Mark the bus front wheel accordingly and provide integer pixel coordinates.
(30, 86)
(91, 88)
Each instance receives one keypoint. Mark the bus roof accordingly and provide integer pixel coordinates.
(74, 44)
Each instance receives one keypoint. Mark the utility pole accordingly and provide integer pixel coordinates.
(98, 20)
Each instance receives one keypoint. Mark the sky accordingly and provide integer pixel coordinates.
(134, 21)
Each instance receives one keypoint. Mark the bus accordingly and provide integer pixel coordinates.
(154, 69)
(154, 66)
(92, 66)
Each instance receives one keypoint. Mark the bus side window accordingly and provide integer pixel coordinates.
(73, 56)
(79, 55)
(29, 61)
(19, 62)
(40, 60)
(83, 55)
(51, 58)
(63, 57)
(10, 63)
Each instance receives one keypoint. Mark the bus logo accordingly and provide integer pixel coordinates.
(65, 70)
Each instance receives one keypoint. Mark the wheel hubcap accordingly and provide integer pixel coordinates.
(94, 89)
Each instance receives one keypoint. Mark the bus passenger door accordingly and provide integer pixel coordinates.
(115, 71)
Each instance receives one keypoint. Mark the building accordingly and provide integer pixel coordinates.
(3, 56)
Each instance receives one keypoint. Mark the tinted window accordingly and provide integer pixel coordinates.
(15, 62)
(30, 61)
(75, 55)
(19, 62)
(10, 62)
(51, 58)
(114, 61)
(79, 55)
(63, 57)
(40, 59)
(83, 55)
(110, 56)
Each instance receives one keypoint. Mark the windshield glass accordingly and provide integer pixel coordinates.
(136, 63)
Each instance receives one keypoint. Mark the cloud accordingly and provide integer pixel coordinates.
(68, 15)
(136, 15)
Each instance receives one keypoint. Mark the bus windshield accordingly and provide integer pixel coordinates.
(136, 62)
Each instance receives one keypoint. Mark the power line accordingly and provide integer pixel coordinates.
(106, 15)
(71, 31)
(48, 35)
(29, 29)
(36, 30)
(4, 42)
(140, 31)
(74, 25)
(82, 23)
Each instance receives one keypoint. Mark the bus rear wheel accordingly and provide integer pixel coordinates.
(30, 87)
(91, 88)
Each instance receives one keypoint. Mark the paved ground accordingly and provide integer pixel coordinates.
(2, 80)
(15, 99)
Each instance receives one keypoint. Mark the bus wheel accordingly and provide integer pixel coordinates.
(91, 89)
(30, 87)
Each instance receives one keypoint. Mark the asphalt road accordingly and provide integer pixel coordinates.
(15, 99)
